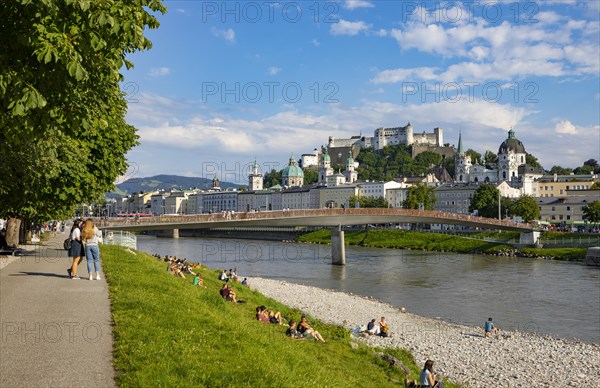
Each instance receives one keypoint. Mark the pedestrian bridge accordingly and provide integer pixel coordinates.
(317, 217)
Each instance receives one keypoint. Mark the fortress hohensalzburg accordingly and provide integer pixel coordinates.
(383, 137)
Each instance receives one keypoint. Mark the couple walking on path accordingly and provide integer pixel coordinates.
(84, 243)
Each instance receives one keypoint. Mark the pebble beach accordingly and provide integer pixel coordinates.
(460, 353)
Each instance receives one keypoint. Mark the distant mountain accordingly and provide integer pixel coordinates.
(165, 182)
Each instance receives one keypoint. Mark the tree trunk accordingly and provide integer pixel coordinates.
(13, 226)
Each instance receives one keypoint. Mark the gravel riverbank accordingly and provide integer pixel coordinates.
(461, 353)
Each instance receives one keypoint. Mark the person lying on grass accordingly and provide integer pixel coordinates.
(275, 317)
(261, 314)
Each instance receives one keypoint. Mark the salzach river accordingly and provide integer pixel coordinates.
(548, 297)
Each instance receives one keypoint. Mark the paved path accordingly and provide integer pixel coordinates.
(54, 331)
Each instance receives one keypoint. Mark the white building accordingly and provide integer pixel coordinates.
(377, 189)
(383, 137)
(218, 201)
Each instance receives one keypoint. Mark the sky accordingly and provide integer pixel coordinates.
(230, 82)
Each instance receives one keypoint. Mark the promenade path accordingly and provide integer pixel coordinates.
(55, 332)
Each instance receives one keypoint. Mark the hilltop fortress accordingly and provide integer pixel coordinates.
(391, 136)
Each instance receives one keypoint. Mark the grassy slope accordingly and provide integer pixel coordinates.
(434, 242)
(170, 333)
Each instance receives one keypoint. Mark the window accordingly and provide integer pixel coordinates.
(568, 217)
(553, 208)
(568, 208)
(561, 191)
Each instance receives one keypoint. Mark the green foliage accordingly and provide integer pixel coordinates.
(570, 254)
(485, 201)
(525, 207)
(490, 157)
(170, 333)
(532, 161)
(583, 170)
(394, 161)
(64, 137)
(560, 170)
(595, 186)
(475, 156)
(591, 212)
(368, 202)
(420, 196)
(272, 178)
(310, 176)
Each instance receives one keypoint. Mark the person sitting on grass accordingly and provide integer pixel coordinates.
(198, 281)
(275, 317)
(427, 378)
(227, 293)
(261, 314)
(305, 329)
(490, 329)
(223, 276)
(245, 282)
(292, 332)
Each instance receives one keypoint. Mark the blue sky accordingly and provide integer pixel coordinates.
(227, 82)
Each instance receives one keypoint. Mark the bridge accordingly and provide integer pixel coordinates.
(317, 217)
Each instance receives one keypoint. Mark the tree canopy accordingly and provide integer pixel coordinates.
(485, 201)
(370, 202)
(420, 196)
(525, 207)
(591, 212)
(394, 161)
(64, 137)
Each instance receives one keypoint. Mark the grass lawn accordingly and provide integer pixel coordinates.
(407, 239)
(170, 333)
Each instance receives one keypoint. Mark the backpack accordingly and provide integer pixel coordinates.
(67, 243)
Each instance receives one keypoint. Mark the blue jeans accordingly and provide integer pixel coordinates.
(92, 254)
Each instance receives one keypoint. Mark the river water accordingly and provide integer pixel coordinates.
(544, 296)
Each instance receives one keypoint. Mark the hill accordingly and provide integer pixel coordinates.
(165, 182)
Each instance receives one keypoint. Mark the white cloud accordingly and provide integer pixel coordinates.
(565, 127)
(353, 4)
(159, 71)
(344, 27)
(400, 75)
(315, 42)
(228, 34)
(274, 70)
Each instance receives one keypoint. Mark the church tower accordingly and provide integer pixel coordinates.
(462, 165)
(351, 174)
(325, 168)
(255, 180)
(511, 155)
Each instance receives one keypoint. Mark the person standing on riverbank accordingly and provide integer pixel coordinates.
(77, 251)
(91, 235)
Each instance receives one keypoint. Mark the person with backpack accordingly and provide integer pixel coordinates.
(76, 251)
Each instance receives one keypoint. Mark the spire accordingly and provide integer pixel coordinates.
(460, 146)
(511, 133)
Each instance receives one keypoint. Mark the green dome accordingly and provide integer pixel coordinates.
(350, 160)
(292, 169)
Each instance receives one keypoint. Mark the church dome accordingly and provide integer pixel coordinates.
(511, 144)
(292, 169)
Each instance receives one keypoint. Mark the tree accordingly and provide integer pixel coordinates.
(595, 186)
(272, 178)
(368, 202)
(490, 157)
(583, 170)
(526, 208)
(532, 161)
(485, 201)
(475, 156)
(310, 176)
(560, 170)
(64, 137)
(591, 212)
(420, 195)
(591, 162)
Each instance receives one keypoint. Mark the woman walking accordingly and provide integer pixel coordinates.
(91, 235)
(76, 251)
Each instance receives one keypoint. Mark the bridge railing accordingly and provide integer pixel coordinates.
(237, 216)
(121, 238)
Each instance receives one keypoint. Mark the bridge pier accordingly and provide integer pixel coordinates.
(529, 238)
(168, 233)
(338, 250)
